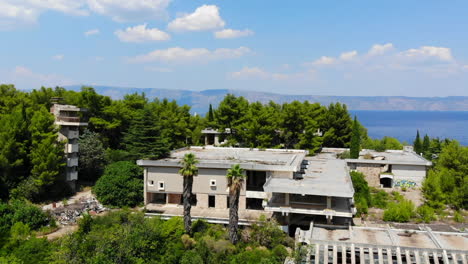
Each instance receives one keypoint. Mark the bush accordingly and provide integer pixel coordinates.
(399, 212)
(362, 195)
(121, 185)
(380, 199)
(344, 155)
(426, 214)
(458, 217)
(21, 211)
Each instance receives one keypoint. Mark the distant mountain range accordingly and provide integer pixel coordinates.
(199, 100)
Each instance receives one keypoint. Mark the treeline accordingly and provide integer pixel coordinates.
(31, 158)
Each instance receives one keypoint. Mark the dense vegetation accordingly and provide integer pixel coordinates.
(31, 158)
(128, 237)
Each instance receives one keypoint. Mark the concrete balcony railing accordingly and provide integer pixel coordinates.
(72, 162)
(69, 118)
(72, 148)
(73, 134)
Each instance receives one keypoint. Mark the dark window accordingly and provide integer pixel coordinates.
(227, 202)
(386, 182)
(256, 180)
(254, 204)
(211, 201)
(193, 201)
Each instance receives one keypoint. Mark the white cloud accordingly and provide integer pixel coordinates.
(379, 49)
(324, 60)
(25, 78)
(130, 10)
(14, 13)
(178, 54)
(58, 57)
(348, 55)
(232, 33)
(428, 52)
(140, 34)
(92, 32)
(205, 17)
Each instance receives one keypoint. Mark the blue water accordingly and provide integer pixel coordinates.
(404, 124)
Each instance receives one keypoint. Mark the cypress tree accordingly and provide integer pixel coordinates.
(417, 144)
(355, 145)
(210, 114)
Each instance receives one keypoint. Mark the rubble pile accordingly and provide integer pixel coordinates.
(69, 214)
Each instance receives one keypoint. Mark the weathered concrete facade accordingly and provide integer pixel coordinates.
(67, 118)
(309, 191)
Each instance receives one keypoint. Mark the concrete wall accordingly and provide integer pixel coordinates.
(280, 174)
(413, 175)
(371, 172)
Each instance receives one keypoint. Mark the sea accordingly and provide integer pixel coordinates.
(403, 125)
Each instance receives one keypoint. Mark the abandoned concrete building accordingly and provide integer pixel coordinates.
(67, 118)
(388, 169)
(280, 183)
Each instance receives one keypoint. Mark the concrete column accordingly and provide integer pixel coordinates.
(317, 253)
(145, 180)
(353, 255)
(426, 258)
(335, 254)
(286, 199)
(371, 256)
(416, 257)
(408, 257)
(362, 257)
(445, 257)
(343, 254)
(221, 201)
(463, 258)
(435, 257)
(202, 200)
(379, 253)
(329, 202)
(454, 258)
(325, 253)
(242, 202)
(389, 256)
(398, 255)
(206, 139)
(216, 140)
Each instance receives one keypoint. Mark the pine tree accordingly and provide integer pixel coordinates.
(46, 155)
(144, 139)
(426, 145)
(417, 144)
(355, 145)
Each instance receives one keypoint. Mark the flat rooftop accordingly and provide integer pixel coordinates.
(221, 157)
(325, 176)
(382, 237)
(400, 157)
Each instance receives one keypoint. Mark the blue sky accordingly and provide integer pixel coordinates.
(366, 48)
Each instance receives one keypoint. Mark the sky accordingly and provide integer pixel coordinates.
(346, 48)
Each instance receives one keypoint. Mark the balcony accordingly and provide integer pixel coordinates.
(72, 148)
(72, 175)
(72, 162)
(73, 134)
(311, 205)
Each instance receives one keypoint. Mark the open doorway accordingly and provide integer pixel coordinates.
(386, 182)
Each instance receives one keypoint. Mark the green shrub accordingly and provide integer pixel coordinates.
(362, 195)
(344, 155)
(121, 185)
(399, 212)
(458, 217)
(380, 199)
(426, 214)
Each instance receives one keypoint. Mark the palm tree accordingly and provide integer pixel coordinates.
(235, 181)
(188, 170)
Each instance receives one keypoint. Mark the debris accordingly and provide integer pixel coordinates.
(68, 215)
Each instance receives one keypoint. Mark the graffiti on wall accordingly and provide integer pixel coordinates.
(405, 184)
